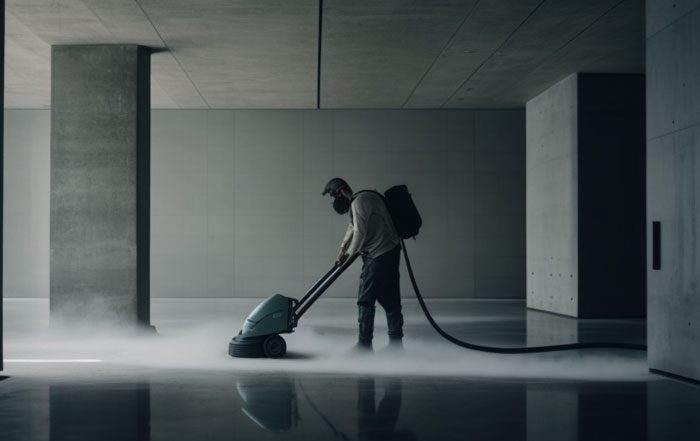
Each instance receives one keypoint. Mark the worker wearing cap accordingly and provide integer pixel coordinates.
(371, 233)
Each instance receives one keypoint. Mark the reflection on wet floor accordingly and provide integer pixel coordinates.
(93, 412)
(276, 408)
(183, 406)
(379, 422)
(271, 407)
(183, 386)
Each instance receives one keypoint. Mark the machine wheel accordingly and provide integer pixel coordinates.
(274, 346)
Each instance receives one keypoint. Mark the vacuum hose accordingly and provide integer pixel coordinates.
(499, 350)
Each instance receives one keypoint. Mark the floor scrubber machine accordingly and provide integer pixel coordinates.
(260, 336)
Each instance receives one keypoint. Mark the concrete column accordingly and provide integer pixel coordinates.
(673, 186)
(100, 185)
(585, 197)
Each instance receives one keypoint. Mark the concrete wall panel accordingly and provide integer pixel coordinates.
(26, 204)
(237, 210)
(673, 161)
(674, 296)
(612, 195)
(660, 14)
(673, 69)
(552, 204)
(585, 197)
(673, 183)
(2, 173)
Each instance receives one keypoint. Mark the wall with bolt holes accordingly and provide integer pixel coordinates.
(673, 160)
(552, 205)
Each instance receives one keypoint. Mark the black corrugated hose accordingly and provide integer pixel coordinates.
(500, 350)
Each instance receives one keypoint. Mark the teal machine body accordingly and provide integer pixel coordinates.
(260, 335)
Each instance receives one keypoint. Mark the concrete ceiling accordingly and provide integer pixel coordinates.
(375, 53)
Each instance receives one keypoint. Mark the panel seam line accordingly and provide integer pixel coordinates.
(673, 132)
(572, 39)
(447, 45)
(692, 11)
(143, 11)
(114, 37)
(492, 53)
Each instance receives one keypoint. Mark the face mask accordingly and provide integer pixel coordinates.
(341, 204)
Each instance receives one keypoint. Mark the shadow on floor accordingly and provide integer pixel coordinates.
(299, 356)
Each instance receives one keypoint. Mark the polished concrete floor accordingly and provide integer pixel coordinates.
(182, 385)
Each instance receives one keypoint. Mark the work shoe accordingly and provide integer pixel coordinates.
(363, 347)
(393, 349)
(394, 321)
(395, 345)
(365, 320)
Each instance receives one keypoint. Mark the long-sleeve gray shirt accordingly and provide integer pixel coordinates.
(371, 230)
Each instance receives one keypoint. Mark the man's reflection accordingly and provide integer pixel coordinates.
(379, 423)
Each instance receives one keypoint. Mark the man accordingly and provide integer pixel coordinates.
(371, 233)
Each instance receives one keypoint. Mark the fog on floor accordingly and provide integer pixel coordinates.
(194, 334)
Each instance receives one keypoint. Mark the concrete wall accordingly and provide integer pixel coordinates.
(552, 201)
(585, 197)
(26, 203)
(673, 184)
(2, 155)
(237, 210)
(99, 219)
(611, 195)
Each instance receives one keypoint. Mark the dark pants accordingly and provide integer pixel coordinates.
(379, 281)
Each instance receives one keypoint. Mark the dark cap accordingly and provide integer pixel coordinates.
(334, 185)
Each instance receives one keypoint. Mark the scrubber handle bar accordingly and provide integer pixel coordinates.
(318, 283)
(321, 286)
